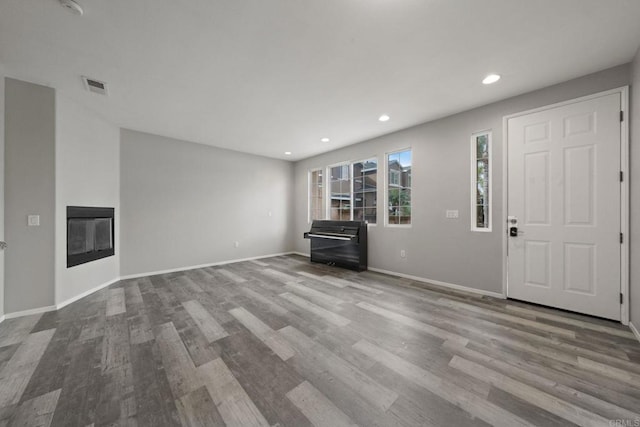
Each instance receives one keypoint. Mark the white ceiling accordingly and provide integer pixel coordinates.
(267, 77)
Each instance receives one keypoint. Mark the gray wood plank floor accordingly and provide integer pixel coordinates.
(282, 342)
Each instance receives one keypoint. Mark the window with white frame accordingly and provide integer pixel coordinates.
(340, 192)
(365, 190)
(480, 181)
(316, 195)
(399, 188)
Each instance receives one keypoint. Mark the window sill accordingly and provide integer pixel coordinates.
(481, 230)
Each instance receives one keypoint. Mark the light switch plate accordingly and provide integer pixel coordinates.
(33, 220)
(452, 214)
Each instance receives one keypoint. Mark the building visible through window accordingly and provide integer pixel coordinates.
(340, 193)
(352, 192)
(365, 187)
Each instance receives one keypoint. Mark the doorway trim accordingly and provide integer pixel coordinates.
(624, 190)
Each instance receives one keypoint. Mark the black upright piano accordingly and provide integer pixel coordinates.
(340, 243)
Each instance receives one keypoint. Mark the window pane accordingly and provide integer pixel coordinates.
(481, 217)
(370, 215)
(399, 187)
(340, 193)
(316, 196)
(358, 200)
(358, 214)
(482, 181)
(481, 146)
(365, 187)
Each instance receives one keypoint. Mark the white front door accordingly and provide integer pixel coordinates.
(564, 192)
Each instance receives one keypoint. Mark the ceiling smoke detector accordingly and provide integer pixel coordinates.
(72, 6)
(95, 86)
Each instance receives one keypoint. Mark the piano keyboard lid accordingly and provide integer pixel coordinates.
(348, 229)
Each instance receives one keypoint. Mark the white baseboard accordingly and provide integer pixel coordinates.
(440, 283)
(432, 282)
(634, 330)
(85, 293)
(2, 318)
(57, 306)
(193, 267)
(117, 279)
(30, 312)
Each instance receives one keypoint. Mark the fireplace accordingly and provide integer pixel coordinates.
(90, 234)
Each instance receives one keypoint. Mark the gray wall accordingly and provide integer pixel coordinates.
(29, 189)
(87, 174)
(2, 238)
(635, 192)
(438, 248)
(186, 204)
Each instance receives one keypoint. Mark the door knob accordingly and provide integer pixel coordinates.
(3, 245)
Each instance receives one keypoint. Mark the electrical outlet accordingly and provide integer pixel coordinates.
(403, 253)
(451, 214)
(33, 220)
(236, 244)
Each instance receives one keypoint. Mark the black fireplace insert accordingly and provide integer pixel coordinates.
(90, 234)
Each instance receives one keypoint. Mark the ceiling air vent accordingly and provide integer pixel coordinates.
(95, 86)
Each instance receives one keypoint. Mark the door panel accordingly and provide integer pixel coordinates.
(564, 190)
(537, 262)
(536, 188)
(579, 198)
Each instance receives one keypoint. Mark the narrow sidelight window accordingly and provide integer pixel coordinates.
(481, 181)
(399, 188)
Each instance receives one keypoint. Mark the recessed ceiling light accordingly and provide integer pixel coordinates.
(287, 153)
(491, 78)
(384, 118)
(325, 140)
